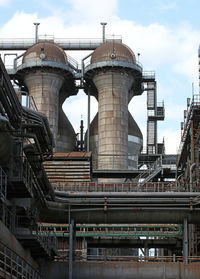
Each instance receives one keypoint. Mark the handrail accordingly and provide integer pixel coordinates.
(79, 256)
(117, 187)
(13, 264)
(195, 103)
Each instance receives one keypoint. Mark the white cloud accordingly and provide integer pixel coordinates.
(93, 11)
(166, 6)
(20, 21)
(4, 2)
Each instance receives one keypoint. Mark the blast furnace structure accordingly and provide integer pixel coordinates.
(100, 204)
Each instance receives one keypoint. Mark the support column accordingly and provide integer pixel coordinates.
(88, 123)
(71, 247)
(84, 247)
(185, 241)
(146, 250)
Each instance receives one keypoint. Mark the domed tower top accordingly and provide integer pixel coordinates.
(113, 51)
(45, 51)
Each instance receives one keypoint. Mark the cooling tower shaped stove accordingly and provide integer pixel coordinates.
(117, 77)
(135, 142)
(45, 70)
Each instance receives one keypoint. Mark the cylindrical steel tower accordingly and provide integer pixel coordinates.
(45, 70)
(117, 78)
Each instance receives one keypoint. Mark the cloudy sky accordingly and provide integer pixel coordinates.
(166, 34)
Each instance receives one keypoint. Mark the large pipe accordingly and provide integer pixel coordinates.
(56, 212)
(66, 44)
(128, 194)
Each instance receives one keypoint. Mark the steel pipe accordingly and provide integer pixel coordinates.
(185, 241)
(56, 212)
(127, 194)
(124, 201)
(66, 44)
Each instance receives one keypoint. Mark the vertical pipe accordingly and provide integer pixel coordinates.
(192, 141)
(81, 137)
(88, 123)
(71, 231)
(185, 241)
(103, 31)
(36, 31)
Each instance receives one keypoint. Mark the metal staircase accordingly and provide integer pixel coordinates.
(150, 174)
(155, 111)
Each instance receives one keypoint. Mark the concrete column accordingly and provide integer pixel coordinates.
(44, 87)
(113, 89)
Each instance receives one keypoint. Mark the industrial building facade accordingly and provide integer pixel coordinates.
(97, 204)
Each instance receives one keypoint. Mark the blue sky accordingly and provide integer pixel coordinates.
(166, 34)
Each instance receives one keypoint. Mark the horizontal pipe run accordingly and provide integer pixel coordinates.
(127, 194)
(132, 208)
(65, 44)
(124, 201)
(56, 213)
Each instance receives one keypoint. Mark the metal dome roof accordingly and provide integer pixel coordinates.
(46, 51)
(111, 51)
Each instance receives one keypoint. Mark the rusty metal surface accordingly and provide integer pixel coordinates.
(74, 167)
(71, 155)
(113, 51)
(46, 51)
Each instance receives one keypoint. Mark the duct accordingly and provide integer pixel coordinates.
(39, 171)
(5, 142)
(39, 121)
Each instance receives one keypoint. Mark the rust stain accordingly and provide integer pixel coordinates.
(50, 50)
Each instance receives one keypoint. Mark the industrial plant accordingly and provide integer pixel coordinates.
(103, 202)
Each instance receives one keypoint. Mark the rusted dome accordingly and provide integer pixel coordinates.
(112, 51)
(46, 51)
